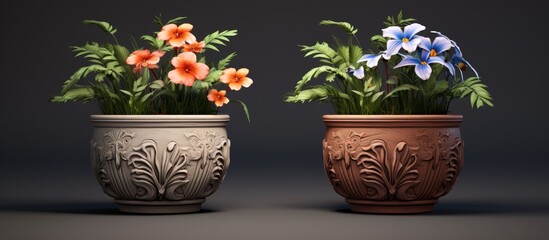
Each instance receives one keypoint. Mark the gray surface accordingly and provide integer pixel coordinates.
(298, 204)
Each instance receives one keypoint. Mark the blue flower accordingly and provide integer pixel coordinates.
(358, 73)
(406, 39)
(422, 68)
(439, 45)
(373, 59)
(457, 58)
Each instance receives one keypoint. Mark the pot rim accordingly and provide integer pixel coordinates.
(220, 117)
(430, 117)
(412, 120)
(145, 121)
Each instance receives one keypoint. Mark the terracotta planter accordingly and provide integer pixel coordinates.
(392, 163)
(159, 163)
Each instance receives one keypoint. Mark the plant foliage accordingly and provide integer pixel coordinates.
(422, 80)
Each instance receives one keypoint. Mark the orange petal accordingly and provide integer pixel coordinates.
(201, 70)
(212, 95)
(167, 32)
(246, 81)
(225, 79)
(243, 72)
(187, 57)
(158, 53)
(229, 71)
(178, 76)
(178, 62)
(189, 37)
(133, 59)
(153, 60)
(177, 42)
(235, 86)
(187, 27)
(225, 100)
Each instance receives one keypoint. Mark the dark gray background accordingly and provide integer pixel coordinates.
(275, 188)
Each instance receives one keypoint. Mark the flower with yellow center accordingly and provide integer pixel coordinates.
(406, 38)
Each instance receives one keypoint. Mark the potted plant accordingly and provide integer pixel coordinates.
(392, 147)
(159, 146)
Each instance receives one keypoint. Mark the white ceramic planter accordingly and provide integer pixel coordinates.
(160, 163)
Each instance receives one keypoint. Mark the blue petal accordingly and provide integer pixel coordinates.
(441, 44)
(408, 61)
(423, 71)
(424, 56)
(373, 61)
(413, 29)
(440, 60)
(392, 47)
(366, 57)
(411, 45)
(359, 73)
(425, 44)
(393, 32)
(456, 59)
(454, 44)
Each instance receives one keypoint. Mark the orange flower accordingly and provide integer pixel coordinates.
(218, 97)
(236, 79)
(144, 58)
(175, 35)
(187, 70)
(195, 47)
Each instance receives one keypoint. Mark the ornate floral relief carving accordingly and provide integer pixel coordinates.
(157, 172)
(158, 175)
(116, 145)
(388, 177)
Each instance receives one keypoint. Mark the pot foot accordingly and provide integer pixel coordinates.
(392, 207)
(159, 207)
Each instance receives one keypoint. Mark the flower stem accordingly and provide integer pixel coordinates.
(153, 73)
(387, 86)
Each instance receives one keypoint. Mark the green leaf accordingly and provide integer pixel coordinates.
(176, 20)
(358, 93)
(225, 61)
(213, 76)
(146, 96)
(392, 80)
(440, 87)
(403, 87)
(153, 41)
(347, 27)
(376, 96)
(105, 26)
(378, 38)
(219, 38)
(323, 51)
(75, 94)
(126, 92)
(479, 95)
(198, 85)
(157, 84)
(313, 73)
(245, 109)
(321, 92)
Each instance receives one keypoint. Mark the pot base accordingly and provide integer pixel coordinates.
(160, 207)
(392, 207)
